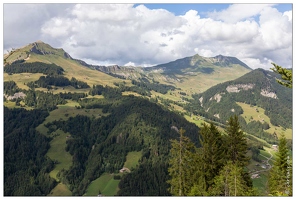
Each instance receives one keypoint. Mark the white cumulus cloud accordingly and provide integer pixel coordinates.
(136, 35)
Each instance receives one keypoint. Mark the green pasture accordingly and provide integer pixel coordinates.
(60, 190)
(69, 110)
(22, 78)
(132, 159)
(104, 185)
(58, 153)
(257, 114)
(11, 104)
(126, 93)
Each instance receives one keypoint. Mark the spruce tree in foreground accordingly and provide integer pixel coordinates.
(182, 165)
(212, 153)
(280, 176)
(215, 169)
(230, 182)
(236, 143)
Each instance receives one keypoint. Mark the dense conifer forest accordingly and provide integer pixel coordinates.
(26, 168)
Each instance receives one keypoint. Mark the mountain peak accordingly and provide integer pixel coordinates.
(227, 60)
(39, 41)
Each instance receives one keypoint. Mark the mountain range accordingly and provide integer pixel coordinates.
(182, 73)
(92, 121)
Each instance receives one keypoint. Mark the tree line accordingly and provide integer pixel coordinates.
(60, 81)
(34, 67)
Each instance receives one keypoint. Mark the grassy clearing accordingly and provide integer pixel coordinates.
(126, 93)
(178, 108)
(256, 113)
(111, 188)
(196, 120)
(11, 104)
(199, 122)
(60, 190)
(69, 110)
(132, 159)
(105, 185)
(173, 96)
(58, 153)
(22, 78)
(67, 89)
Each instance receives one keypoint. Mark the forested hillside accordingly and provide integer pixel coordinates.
(100, 121)
(257, 88)
(26, 168)
(101, 145)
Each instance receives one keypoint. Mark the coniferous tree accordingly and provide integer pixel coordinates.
(280, 177)
(287, 76)
(230, 181)
(212, 153)
(236, 143)
(181, 165)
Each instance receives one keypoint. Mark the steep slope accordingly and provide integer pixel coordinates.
(133, 124)
(193, 74)
(257, 88)
(42, 52)
(196, 74)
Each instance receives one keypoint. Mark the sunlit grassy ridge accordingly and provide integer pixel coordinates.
(256, 113)
(59, 57)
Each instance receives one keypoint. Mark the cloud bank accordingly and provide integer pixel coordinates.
(126, 34)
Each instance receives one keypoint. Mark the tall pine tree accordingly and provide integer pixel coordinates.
(280, 176)
(236, 143)
(212, 153)
(181, 165)
(230, 181)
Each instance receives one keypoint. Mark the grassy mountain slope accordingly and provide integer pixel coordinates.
(193, 74)
(258, 88)
(41, 52)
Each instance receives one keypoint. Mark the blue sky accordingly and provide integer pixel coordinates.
(150, 34)
(181, 9)
(203, 8)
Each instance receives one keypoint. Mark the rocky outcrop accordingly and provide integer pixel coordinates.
(217, 97)
(200, 100)
(267, 93)
(16, 96)
(237, 88)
